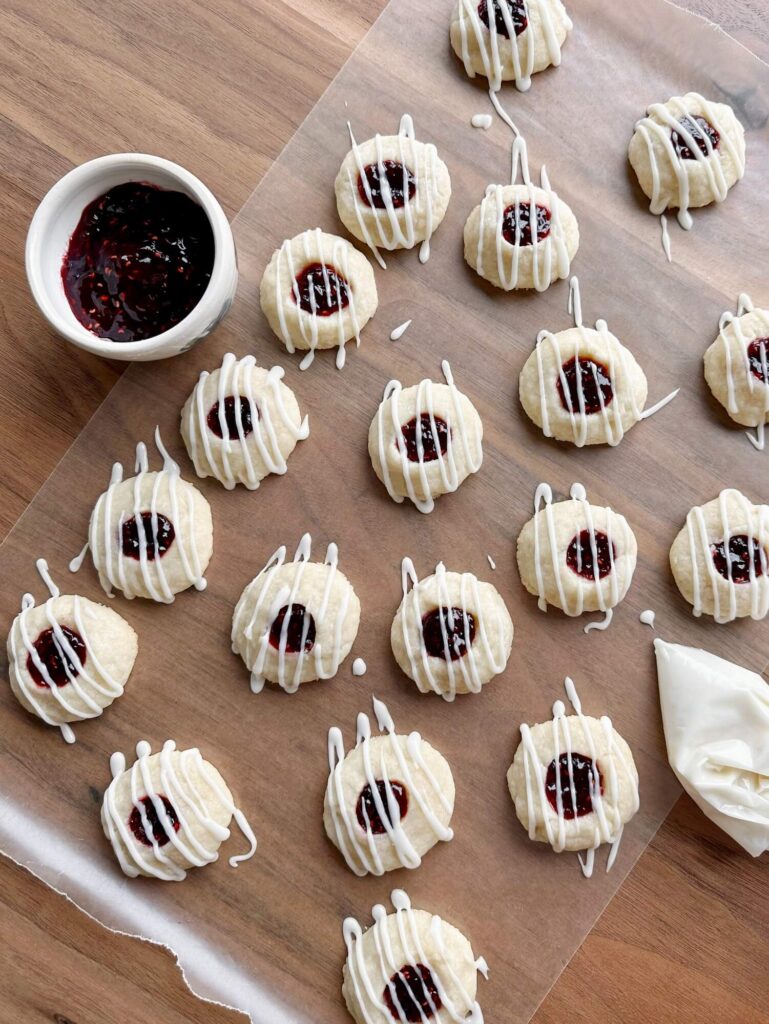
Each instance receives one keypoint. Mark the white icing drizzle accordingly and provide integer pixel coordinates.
(483, 121)
(649, 129)
(745, 305)
(235, 379)
(665, 237)
(368, 988)
(112, 573)
(359, 667)
(82, 684)
(756, 520)
(189, 803)
(647, 617)
(608, 825)
(491, 562)
(362, 849)
(397, 333)
(447, 463)
(466, 667)
(258, 644)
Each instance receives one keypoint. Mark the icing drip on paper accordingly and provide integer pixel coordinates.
(372, 983)
(360, 847)
(745, 305)
(608, 825)
(491, 562)
(647, 617)
(359, 667)
(665, 238)
(397, 333)
(483, 121)
(189, 804)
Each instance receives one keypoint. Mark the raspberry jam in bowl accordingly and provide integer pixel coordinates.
(131, 257)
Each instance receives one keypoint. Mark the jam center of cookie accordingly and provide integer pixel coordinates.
(577, 787)
(150, 813)
(390, 178)
(158, 534)
(517, 226)
(591, 551)
(588, 386)
(419, 433)
(698, 127)
(444, 633)
(411, 994)
(56, 660)
(758, 359)
(735, 564)
(321, 290)
(516, 10)
(231, 418)
(366, 810)
(299, 632)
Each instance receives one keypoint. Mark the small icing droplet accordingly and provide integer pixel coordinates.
(481, 121)
(359, 667)
(397, 333)
(67, 733)
(77, 562)
(647, 617)
(492, 563)
(665, 237)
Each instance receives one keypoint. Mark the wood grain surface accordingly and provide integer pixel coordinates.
(221, 88)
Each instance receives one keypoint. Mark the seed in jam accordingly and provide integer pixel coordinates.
(516, 224)
(366, 810)
(158, 533)
(580, 555)
(244, 411)
(411, 994)
(59, 665)
(150, 813)
(387, 176)
(138, 261)
(443, 629)
(300, 632)
(421, 431)
(736, 565)
(698, 128)
(587, 378)
(758, 359)
(577, 788)
(321, 290)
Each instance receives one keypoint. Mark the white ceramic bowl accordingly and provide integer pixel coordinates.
(56, 218)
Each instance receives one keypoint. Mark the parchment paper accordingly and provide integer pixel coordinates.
(267, 936)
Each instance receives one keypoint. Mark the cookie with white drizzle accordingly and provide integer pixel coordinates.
(70, 658)
(452, 633)
(582, 384)
(574, 782)
(425, 440)
(389, 800)
(737, 367)
(720, 559)
(241, 423)
(576, 556)
(318, 292)
(392, 191)
(151, 535)
(504, 40)
(521, 236)
(169, 812)
(410, 966)
(296, 621)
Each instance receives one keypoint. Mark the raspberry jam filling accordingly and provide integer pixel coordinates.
(230, 420)
(138, 261)
(517, 227)
(588, 380)
(300, 631)
(158, 831)
(577, 788)
(737, 560)
(366, 810)
(517, 10)
(443, 631)
(698, 127)
(388, 177)
(57, 662)
(158, 534)
(758, 359)
(321, 290)
(587, 551)
(420, 432)
(411, 994)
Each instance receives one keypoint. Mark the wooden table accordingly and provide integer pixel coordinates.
(685, 938)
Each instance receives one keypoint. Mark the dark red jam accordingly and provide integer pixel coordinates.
(443, 630)
(698, 128)
(321, 290)
(588, 378)
(517, 9)
(580, 556)
(736, 564)
(58, 663)
(138, 261)
(158, 533)
(231, 419)
(516, 224)
(158, 831)
(413, 435)
(578, 800)
(758, 358)
(411, 994)
(300, 632)
(366, 810)
(401, 183)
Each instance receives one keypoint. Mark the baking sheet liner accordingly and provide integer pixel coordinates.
(266, 937)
